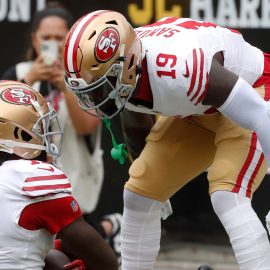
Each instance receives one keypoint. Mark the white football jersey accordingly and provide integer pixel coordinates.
(24, 182)
(179, 54)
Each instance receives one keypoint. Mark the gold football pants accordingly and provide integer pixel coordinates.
(179, 149)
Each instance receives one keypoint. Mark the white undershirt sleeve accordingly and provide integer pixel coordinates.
(249, 110)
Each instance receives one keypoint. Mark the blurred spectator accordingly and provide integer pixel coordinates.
(35, 199)
(81, 155)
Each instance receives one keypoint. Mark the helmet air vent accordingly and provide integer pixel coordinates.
(26, 136)
(131, 62)
(93, 34)
(112, 22)
(16, 132)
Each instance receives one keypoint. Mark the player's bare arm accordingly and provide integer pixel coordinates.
(91, 252)
(221, 83)
(136, 127)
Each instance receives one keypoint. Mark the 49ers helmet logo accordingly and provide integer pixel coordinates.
(107, 44)
(18, 96)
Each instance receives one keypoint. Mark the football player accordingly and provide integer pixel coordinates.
(211, 88)
(35, 196)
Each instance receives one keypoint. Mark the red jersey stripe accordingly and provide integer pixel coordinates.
(191, 24)
(194, 72)
(46, 187)
(201, 97)
(254, 174)
(261, 159)
(201, 75)
(247, 163)
(46, 177)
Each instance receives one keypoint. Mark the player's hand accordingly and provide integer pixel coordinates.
(75, 265)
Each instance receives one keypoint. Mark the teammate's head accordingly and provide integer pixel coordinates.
(25, 117)
(102, 57)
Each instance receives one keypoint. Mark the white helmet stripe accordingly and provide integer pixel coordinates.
(73, 43)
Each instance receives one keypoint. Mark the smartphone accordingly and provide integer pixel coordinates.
(49, 51)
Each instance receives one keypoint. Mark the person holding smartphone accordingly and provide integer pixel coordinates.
(43, 66)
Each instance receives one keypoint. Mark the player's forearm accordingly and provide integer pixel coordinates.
(245, 107)
(136, 127)
(80, 240)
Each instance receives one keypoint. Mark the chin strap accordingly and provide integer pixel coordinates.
(118, 152)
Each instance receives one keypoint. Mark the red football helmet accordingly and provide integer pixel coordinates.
(102, 56)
